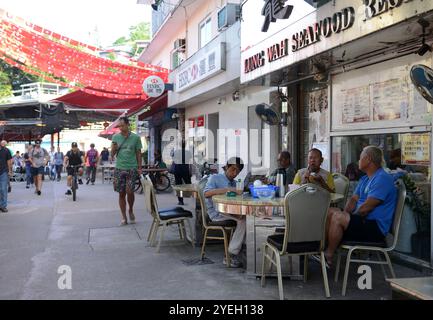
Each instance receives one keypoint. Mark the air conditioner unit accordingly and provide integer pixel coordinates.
(228, 15)
(179, 44)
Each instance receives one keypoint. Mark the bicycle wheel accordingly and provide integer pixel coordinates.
(162, 182)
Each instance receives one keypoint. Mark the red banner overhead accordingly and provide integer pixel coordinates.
(70, 63)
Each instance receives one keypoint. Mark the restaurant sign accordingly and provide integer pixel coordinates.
(323, 29)
(205, 63)
(415, 149)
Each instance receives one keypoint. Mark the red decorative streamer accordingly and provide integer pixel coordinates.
(70, 63)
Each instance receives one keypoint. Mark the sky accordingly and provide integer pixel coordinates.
(78, 19)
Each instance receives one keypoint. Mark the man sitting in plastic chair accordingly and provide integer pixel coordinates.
(368, 214)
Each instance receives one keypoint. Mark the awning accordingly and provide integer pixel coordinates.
(152, 106)
(108, 133)
(88, 101)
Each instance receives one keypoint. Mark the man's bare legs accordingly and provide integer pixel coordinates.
(131, 199)
(337, 223)
(122, 205)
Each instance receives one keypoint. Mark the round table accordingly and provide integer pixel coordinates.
(246, 204)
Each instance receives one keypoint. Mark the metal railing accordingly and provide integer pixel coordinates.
(37, 89)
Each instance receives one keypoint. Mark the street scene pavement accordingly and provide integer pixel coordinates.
(40, 234)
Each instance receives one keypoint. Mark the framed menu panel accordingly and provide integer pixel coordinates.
(379, 96)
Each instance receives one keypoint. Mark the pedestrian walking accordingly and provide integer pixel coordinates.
(5, 173)
(126, 148)
(28, 167)
(58, 162)
(92, 157)
(39, 158)
(181, 168)
(105, 155)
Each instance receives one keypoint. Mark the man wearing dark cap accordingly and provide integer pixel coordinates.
(39, 158)
(74, 157)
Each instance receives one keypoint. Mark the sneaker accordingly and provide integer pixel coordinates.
(39, 193)
(68, 193)
(234, 261)
(4, 209)
(93, 183)
(27, 187)
(180, 203)
(88, 181)
(80, 181)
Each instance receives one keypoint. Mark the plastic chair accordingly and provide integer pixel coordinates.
(381, 247)
(342, 187)
(305, 212)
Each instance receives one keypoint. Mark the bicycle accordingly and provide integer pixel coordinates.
(160, 181)
(74, 185)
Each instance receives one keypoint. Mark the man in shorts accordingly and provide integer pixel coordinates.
(369, 213)
(126, 147)
(39, 158)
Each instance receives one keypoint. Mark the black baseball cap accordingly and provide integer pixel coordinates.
(38, 142)
(74, 144)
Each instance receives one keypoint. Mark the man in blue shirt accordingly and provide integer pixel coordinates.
(220, 184)
(369, 213)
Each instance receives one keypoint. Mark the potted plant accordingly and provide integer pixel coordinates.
(420, 240)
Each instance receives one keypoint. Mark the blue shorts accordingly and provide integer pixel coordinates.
(37, 171)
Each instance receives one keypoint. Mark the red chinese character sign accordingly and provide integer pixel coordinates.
(70, 63)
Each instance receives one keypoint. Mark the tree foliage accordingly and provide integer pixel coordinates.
(11, 78)
(140, 31)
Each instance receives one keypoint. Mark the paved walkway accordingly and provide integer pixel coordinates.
(41, 233)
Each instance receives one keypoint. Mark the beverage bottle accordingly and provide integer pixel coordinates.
(239, 185)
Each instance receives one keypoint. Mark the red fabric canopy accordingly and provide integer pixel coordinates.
(108, 133)
(89, 101)
(70, 63)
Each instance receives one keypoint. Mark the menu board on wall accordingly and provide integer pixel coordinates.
(356, 104)
(379, 96)
(390, 99)
(415, 149)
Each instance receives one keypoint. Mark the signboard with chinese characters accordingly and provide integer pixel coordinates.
(153, 86)
(415, 148)
(308, 32)
(191, 127)
(200, 127)
(204, 64)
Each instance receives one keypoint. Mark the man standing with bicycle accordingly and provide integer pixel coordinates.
(73, 158)
(126, 147)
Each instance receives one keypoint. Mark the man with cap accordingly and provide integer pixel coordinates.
(74, 157)
(38, 158)
(220, 184)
